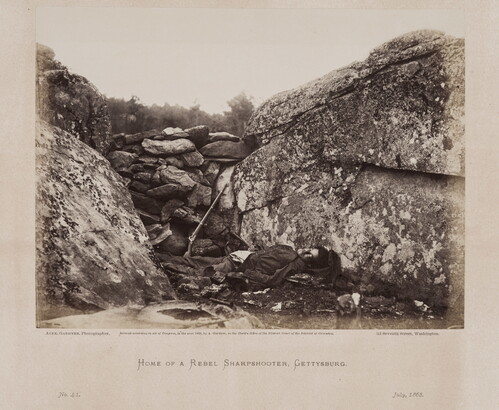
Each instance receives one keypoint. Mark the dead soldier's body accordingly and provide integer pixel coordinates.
(246, 270)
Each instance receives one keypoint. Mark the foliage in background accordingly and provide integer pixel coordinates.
(132, 116)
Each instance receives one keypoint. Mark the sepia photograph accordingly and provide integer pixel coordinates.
(219, 168)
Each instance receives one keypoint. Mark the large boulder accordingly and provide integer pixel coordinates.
(402, 108)
(368, 160)
(69, 101)
(92, 249)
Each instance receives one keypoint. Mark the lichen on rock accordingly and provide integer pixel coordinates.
(368, 160)
(93, 252)
(70, 102)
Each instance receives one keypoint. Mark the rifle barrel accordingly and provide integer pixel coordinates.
(194, 234)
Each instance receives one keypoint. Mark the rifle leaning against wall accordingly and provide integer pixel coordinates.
(192, 237)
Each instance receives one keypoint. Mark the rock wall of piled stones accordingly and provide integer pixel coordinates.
(173, 176)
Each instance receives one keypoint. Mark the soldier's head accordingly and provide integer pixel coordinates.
(316, 257)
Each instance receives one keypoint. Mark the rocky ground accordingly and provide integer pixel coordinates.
(304, 303)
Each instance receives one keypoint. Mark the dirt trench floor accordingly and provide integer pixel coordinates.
(299, 306)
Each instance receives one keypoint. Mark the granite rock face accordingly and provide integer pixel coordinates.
(368, 160)
(93, 252)
(70, 102)
(402, 108)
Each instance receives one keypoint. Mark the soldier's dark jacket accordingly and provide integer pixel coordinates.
(271, 266)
